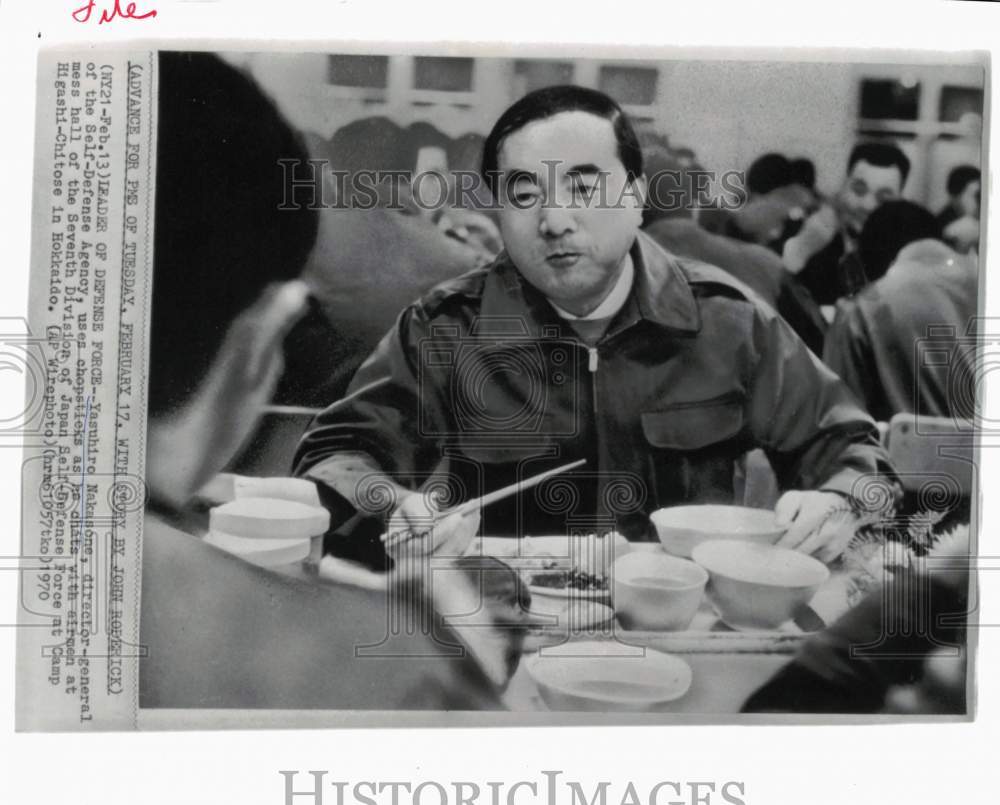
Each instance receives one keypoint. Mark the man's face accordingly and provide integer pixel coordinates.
(569, 215)
(866, 188)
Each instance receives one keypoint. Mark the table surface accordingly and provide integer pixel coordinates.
(727, 666)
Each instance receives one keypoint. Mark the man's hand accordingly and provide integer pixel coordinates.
(816, 523)
(818, 230)
(420, 533)
(472, 228)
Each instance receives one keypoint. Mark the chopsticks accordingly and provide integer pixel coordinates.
(470, 506)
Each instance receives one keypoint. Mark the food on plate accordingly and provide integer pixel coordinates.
(574, 579)
(593, 552)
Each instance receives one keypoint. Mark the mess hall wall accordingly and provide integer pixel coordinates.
(727, 112)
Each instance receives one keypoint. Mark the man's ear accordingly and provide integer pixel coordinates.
(641, 190)
(195, 442)
(634, 194)
(266, 323)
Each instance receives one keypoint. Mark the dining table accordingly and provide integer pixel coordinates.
(727, 665)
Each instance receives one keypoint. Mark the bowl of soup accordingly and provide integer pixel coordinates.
(606, 676)
(681, 528)
(758, 587)
(656, 591)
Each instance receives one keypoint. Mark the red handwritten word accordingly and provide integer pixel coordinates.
(83, 13)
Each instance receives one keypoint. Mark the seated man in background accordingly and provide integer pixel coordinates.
(960, 218)
(669, 219)
(585, 340)
(928, 291)
(822, 255)
(777, 202)
(221, 632)
(775, 206)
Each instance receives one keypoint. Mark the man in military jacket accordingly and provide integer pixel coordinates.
(585, 339)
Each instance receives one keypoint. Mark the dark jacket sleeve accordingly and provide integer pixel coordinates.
(386, 416)
(884, 641)
(847, 351)
(814, 432)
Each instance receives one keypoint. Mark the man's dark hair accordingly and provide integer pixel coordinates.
(220, 237)
(882, 155)
(803, 172)
(888, 229)
(769, 172)
(550, 101)
(961, 177)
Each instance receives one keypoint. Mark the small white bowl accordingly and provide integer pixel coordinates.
(681, 528)
(757, 587)
(599, 678)
(656, 591)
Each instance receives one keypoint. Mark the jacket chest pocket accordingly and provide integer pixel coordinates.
(693, 447)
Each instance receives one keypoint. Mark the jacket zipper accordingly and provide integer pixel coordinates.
(592, 361)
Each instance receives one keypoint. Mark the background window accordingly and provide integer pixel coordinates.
(532, 74)
(959, 101)
(630, 86)
(443, 74)
(889, 100)
(358, 71)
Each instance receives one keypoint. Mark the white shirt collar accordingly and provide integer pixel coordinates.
(613, 302)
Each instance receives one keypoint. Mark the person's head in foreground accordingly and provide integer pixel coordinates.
(566, 166)
(221, 632)
(227, 257)
(876, 173)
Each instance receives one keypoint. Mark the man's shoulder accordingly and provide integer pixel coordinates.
(465, 290)
(707, 280)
